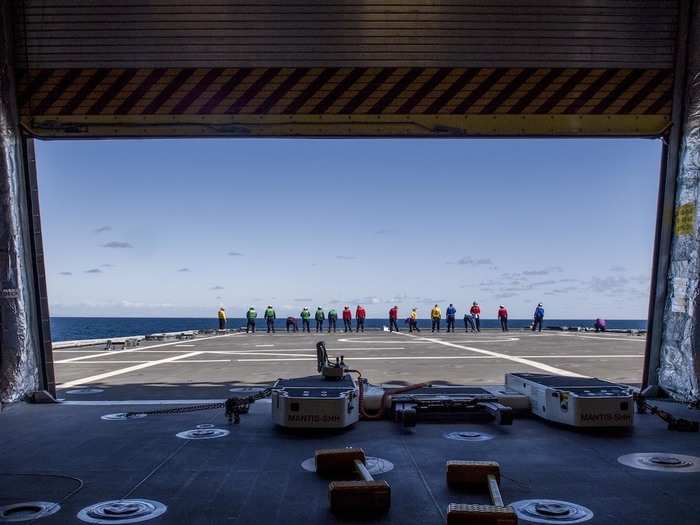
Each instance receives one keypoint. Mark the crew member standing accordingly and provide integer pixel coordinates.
(250, 316)
(360, 315)
(393, 318)
(270, 317)
(413, 321)
(451, 313)
(222, 318)
(332, 319)
(347, 319)
(539, 317)
(435, 316)
(305, 316)
(320, 317)
(475, 310)
(503, 317)
(291, 321)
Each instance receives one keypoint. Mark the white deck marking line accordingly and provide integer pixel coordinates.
(431, 357)
(183, 346)
(275, 353)
(278, 351)
(116, 352)
(515, 359)
(143, 402)
(259, 346)
(168, 363)
(605, 337)
(98, 377)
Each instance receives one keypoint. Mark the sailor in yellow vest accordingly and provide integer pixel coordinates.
(222, 318)
(413, 321)
(435, 316)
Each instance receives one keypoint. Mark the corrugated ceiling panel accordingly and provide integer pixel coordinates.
(336, 33)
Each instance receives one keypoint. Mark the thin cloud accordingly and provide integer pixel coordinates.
(184, 270)
(384, 231)
(618, 269)
(117, 244)
(106, 265)
(102, 229)
(217, 287)
(93, 270)
(65, 273)
(303, 300)
(469, 261)
(235, 254)
(544, 271)
(345, 257)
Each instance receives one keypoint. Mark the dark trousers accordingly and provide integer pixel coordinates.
(451, 324)
(537, 324)
(360, 324)
(393, 325)
(222, 324)
(293, 325)
(270, 325)
(469, 324)
(319, 325)
(331, 324)
(436, 324)
(413, 325)
(348, 325)
(305, 325)
(504, 323)
(477, 323)
(250, 325)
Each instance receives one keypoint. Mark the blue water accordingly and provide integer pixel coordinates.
(72, 328)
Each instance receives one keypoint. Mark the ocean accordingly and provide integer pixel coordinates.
(74, 328)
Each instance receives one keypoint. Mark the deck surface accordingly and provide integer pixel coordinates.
(208, 366)
(254, 474)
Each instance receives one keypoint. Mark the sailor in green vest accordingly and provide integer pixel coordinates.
(332, 318)
(270, 317)
(305, 316)
(320, 317)
(250, 316)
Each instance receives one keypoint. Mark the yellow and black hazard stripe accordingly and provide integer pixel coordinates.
(173, 96)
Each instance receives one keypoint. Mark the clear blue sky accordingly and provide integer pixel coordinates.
(180, 227)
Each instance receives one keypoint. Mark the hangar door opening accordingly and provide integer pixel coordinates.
(146, 241)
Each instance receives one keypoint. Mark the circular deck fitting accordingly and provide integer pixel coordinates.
(203, 433)
(464, 435)
(206, 425)
(27, 511)
(122, 416)
(122, 511)
(375, 466)
(84, 391)
(550, 511)
(661, 461)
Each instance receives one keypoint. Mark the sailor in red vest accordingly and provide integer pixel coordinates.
(475, 310)
(347, 319)
(393, 318)
(360, 315)
(503, 317)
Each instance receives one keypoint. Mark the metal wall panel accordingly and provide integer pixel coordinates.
(343, 33)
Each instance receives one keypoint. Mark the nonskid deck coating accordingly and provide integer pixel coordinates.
(209, 367)
(254, 476)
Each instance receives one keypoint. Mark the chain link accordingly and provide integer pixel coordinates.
(235, 406)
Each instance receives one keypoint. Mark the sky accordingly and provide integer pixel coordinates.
(177, 228)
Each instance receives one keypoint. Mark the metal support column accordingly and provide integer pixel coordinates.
(675, 337)
(24, 365)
